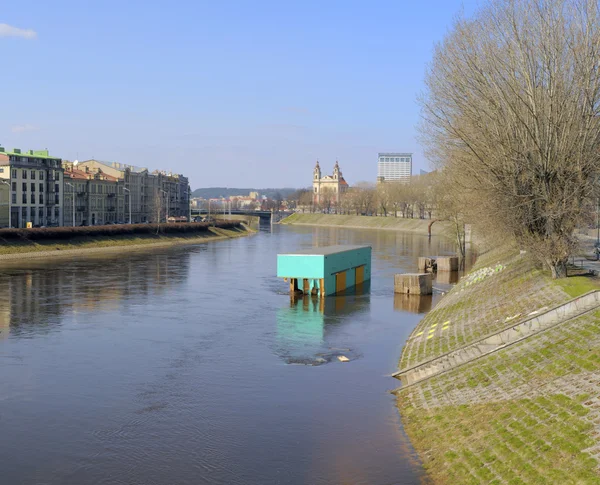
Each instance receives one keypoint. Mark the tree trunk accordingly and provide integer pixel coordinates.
(558, 268)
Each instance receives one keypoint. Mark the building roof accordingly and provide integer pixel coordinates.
(76, 173)
(28, 153)
(326, 250)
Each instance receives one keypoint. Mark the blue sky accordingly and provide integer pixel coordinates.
(230, 93)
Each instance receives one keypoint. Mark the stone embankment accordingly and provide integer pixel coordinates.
(505, 382)
(390, 223)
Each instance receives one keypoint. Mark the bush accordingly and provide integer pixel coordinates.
(47, 233)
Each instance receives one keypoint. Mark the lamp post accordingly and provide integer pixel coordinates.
(73, 197)
(129, 196)
(9, 201)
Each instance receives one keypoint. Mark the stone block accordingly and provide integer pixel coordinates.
(447, 263)
(413, 283)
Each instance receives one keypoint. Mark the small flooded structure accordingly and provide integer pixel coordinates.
(325, 271)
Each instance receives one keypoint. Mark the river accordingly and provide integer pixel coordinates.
(191, 365)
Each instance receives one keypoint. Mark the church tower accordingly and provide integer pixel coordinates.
(337, 174)
(316, 183)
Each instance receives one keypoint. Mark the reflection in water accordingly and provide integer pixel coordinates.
(447, 277)
(412, 303)
(305, 330)
(38, 293)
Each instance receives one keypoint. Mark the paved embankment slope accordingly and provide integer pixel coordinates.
(527, 413)
(389, 223)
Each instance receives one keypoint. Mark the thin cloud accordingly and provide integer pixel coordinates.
(23, 128)
(10, 31)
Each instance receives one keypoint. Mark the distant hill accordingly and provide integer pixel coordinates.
(216, 192)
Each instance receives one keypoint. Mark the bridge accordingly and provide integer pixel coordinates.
(265, 216)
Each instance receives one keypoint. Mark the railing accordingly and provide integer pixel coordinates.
(80, 208)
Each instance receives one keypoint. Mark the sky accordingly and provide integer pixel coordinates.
(229, 93)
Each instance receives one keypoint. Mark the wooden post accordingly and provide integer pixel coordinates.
(414, 284)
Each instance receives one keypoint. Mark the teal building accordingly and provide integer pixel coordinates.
(325, 271)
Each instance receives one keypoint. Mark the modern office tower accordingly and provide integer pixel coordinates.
(394, 167)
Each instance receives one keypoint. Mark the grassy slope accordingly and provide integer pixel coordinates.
(27, 247)
(389, 223)
(525, 414)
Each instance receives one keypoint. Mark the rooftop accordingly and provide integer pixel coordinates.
(27, 153)
(326, 250)
(390, 154)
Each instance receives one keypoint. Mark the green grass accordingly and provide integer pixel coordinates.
(494, 443)
(576, 286)
(369, 222)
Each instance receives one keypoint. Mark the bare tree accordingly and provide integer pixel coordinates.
(512, 109)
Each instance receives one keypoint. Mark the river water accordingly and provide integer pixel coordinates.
(191, 365)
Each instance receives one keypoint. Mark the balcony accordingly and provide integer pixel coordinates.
(111, 209)
(80, 208)
(110, 196)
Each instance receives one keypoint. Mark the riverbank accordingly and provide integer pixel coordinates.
(527, 413)
(415, 226)
(15, 250)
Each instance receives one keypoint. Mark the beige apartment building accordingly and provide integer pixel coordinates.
(133, 180)
(154, 196)
(97, 198)
(36, 187)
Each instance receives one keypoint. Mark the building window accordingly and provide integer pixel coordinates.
(56, 212)
(24, 198)
(41, 198)
(14, 198)
(1, 170)
(33, 175)
(56, 187)
(24, 186)
(56, 201)
(14, 173)
(14, 186)
(32, 186)
(41, 187)
(24, 173)
(24, 213)
(41, 214)
(41, 175)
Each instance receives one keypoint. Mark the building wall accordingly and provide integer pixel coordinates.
(4, 204)
(97, 201)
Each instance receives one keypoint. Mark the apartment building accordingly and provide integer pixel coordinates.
(36, 187)
(96, 197)
(154, 196)
(176, 190)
